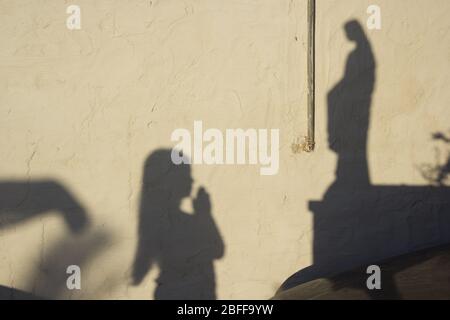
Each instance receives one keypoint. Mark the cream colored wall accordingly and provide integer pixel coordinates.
(85, 108)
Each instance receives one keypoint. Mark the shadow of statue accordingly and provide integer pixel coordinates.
(358, 223)
(182, 245)
(349, 105)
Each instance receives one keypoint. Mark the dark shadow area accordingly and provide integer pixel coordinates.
(182, 245)
(358, 223)
(421, 275)
(48, 277)
(23, 200)
(8, 293)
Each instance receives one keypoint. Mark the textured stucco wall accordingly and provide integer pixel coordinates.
(85, 108)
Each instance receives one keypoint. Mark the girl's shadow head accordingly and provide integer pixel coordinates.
(163, 177)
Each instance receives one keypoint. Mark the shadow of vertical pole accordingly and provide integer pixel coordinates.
(309, 139)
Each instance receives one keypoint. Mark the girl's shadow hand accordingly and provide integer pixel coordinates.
(202, 203)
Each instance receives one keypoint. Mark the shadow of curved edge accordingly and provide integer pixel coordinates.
(424, 274)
